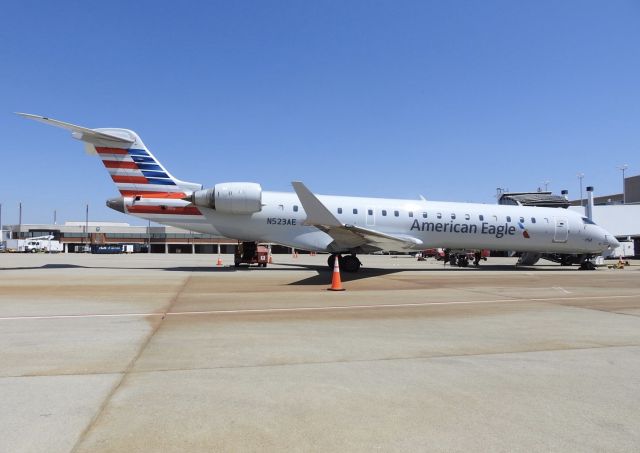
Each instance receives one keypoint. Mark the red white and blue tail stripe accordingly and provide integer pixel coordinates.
(137, 173)
(147, 188)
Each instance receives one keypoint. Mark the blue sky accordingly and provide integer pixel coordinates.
(374, 98)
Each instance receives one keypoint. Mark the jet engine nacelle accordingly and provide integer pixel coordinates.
(230, 197)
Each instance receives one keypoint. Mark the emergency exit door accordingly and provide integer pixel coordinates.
(562, 230)
(371, 216)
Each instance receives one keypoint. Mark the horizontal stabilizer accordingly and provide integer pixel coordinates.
(79, 132)
(130, 165)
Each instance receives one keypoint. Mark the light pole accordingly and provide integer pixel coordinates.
(580, 176)
(623, 168)
(19, 220)
(546, 183)
(86, 226)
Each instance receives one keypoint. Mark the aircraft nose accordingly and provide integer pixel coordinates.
(608, 239)
(613, 242)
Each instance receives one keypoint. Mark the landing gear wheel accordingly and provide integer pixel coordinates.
(350, 263)
(463, 261)
(332, 259)
(587, 266)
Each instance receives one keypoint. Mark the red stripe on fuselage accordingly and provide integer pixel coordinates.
(103, 150)
(152, 194)
(120, 164)
(130, 179)
(171, 210)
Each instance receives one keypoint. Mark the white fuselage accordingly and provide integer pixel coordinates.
(336, 224)
(435, 224)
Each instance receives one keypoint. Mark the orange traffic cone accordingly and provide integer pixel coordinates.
(270, 260)
(219, 263)
(336, 282)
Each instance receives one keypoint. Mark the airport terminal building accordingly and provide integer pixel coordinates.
(78, 236)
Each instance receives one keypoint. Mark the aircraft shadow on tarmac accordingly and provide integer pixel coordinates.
(47, 266)
(323, 273)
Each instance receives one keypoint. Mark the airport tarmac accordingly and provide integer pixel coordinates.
(112, 353)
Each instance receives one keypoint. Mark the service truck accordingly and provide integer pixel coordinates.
(35, 244)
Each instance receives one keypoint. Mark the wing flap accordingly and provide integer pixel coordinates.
(384, 240)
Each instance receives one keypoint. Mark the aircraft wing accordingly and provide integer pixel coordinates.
(79, 132)
(345, 236)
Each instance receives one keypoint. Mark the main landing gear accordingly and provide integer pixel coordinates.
(457, 259)
(348, 263)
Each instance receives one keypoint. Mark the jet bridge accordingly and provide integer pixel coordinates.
(541, 199)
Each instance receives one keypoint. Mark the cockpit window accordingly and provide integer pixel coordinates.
(588, 221)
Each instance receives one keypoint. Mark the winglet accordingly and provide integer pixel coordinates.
(317, 213)
(79, 132)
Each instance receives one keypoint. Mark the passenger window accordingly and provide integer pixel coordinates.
(355, 211)
(295, 208)
(533, 220)
(339, 210)
(410, 213)
(453, 216)
(495, 218)
(396, 213)
(370, 212)
(521, 219)
(508, 218)
(384, 212)
(467, 217)
(546, 220)
(439, 215)
(424, 215)
(481, 217)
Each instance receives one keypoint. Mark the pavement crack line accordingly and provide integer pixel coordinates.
(128, 369)
(168, 312)
(347, 361)
(389, 359)
(601, 310)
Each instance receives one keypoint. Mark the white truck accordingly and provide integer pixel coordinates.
(35, 244)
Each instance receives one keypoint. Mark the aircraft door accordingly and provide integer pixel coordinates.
(562, 230)
(371, 216)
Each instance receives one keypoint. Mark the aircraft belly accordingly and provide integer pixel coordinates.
(262, 228)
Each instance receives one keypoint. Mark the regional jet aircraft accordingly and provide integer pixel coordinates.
(339, 225)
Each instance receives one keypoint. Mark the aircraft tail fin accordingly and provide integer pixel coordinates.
(132, 167)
